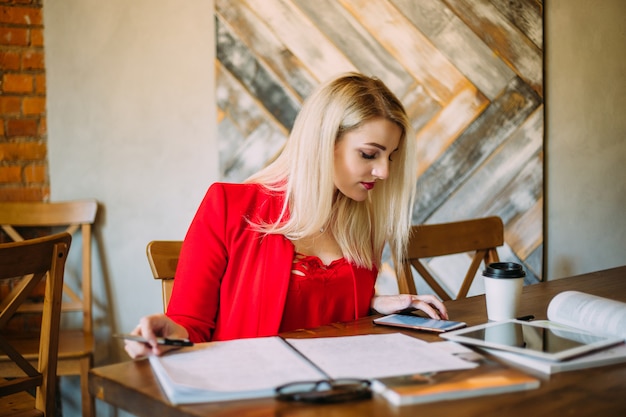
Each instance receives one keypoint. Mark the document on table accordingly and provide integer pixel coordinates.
(252, 368)
(377, 355)
(236, 369)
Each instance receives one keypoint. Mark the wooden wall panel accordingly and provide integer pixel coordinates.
(470, 73)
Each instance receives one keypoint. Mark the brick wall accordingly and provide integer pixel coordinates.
(23, 139)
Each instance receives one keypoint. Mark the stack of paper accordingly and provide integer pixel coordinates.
(252, 368)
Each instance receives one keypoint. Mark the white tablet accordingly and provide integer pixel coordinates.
(540, 339)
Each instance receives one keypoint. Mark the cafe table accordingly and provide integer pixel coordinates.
(598, 392)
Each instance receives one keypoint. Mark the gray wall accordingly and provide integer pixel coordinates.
(585, 136)
(131, 123)
(131, 112)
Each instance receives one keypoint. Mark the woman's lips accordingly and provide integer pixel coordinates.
(368, 185)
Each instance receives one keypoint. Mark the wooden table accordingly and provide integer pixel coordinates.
(592, 392)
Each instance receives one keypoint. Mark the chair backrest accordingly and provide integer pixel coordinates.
(68, 216)
(33, 260)
(163, 260)
(480, 236)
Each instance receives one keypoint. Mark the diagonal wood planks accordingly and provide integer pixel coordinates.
(470, 73)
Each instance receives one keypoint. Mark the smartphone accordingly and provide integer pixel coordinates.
(411, 321)
(160, 340)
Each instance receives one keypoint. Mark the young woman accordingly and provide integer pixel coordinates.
(299, 244)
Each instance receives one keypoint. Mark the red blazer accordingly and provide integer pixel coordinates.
(231, 282)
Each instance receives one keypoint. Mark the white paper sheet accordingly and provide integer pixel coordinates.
(377, 355)
(237, 365)
(251, 368)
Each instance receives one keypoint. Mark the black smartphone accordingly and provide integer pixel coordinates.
(411, 321)
(160, 340)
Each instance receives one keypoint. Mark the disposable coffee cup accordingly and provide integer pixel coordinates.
(503, 289)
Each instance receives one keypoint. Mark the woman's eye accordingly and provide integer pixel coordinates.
(366, 155)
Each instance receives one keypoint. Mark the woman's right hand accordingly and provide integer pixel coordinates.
(151, 327)
(429, 304)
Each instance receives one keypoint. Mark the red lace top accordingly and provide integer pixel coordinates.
(320, 294)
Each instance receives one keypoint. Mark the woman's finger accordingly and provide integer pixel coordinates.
(136, 349)
(430, 305)
(426, 308)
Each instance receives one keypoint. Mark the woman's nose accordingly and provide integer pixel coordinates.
(381, 169)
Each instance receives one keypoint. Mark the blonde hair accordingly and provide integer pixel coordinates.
(304, 172)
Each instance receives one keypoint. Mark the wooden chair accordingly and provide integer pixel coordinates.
(163, 260)
(25, 264)
(480, 236)
(76, 344)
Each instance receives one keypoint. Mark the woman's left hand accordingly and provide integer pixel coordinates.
(429, 304)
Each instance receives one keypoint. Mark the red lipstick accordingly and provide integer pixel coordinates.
(368, 185)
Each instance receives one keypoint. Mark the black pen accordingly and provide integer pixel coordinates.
(526, 318)
(160, 340)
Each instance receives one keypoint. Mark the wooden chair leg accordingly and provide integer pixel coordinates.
(87, 401)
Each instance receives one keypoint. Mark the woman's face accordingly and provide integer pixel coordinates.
(363, 156)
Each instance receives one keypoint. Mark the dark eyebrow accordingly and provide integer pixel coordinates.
(381, 147)
(376, 145)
